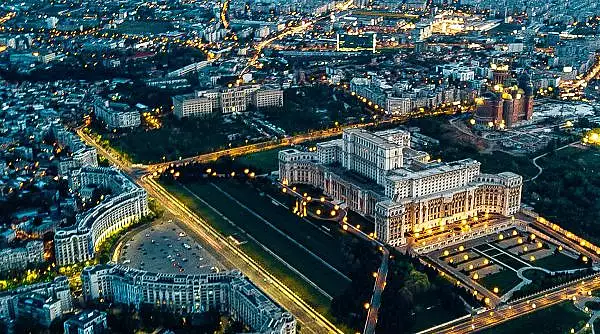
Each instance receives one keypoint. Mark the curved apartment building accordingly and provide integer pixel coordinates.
(127, 204)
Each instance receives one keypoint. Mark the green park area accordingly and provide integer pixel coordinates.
(556, 319)
(315, 108)
(566, 191)
(503, 280)
(265, 161)
(144, 27)
(177, 138)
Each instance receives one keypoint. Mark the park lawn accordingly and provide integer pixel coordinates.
(266, 161)
(298, 258)
(144, 27)
(503, 280)
(325, 246)
(556, 319)
(558, 262)
(431, 312)
(434, 316)
(510, 261)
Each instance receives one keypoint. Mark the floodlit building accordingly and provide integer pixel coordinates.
(379, 175)
(507, 104)
(229, 292)
(127, 204)
(226, 101)
(117, 115)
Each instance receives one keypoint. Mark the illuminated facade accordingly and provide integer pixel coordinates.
(127, 204)
(226, 101)
(229, 292)
(116, 115)
(379, 175)
(507, 104)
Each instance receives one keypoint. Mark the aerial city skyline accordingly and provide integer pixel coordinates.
(312, 166)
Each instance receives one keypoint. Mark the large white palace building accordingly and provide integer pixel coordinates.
(127, 204)
(379, 175)
(227, 291)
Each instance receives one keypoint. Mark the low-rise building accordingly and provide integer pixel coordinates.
(191, 106)
(228, 100)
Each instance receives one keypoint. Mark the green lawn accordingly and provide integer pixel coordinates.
(555, 319)
(141, 27)
(557, 262)
(510, 261)
(503, 280)
(266, 161)
(319, 243)
(435, 315)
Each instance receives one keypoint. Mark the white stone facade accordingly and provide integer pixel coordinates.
(224, 292)
(117, 115)
(378, 175)
(19, 258)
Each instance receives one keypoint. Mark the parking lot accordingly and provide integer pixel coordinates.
(166, 248)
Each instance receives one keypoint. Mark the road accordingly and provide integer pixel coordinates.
(495, 317)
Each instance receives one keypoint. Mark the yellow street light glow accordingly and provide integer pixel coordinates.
(466, 257)
(475, 276)
(500, 237)
(284, 190)
(345, 227)
(496, 290)
(318, 211)
(532, 258)
(366, 306)
(461, 248)
(332, 213)
(446, 253)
